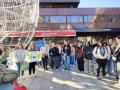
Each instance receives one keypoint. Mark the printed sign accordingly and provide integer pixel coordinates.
(33, 56)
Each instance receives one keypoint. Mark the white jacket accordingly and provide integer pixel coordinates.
(97, 54)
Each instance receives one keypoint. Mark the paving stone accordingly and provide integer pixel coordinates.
(68, 80)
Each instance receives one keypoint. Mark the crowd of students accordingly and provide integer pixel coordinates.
(90, 58)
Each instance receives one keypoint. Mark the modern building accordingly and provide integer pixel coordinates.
(63, 19)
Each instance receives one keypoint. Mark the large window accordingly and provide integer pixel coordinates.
(73, 19)
(81, 19)
(57, 19)
(85, 18)
(88, 18)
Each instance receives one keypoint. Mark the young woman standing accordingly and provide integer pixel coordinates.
(102, 54)
(31, 48)
(20, 56)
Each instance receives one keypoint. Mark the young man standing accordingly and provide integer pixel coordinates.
(116, 56)
(67, 52)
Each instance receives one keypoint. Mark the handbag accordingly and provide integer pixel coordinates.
(114, 58)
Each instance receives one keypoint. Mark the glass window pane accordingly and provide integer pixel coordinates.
(85, 18)
(58, 19)
(73, 19)
(118, 18)
(46, 19)
(90, 18)
(81, 18)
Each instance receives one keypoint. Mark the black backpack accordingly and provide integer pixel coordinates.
(88, 52)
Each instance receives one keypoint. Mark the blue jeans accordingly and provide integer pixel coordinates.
(110, 66)
(56, 61)
(67, 62)
(19, 68)
(72, 60)
(62, 62)
(115, 67)
(39, 63)
(94, 65)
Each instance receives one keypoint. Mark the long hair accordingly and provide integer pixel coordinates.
(31, 47)
(102, 42)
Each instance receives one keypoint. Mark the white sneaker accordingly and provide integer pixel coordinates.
(99, 78)
(19, 78)
(23, 78)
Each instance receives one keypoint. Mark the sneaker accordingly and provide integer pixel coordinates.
(23, 78)
(19, 78)
(107, 75)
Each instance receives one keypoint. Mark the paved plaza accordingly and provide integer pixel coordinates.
(67, 80)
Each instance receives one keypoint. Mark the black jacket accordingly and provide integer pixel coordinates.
(54, 51)
(67, 49)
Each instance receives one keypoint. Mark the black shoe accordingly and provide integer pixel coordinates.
(117, 77)
(65, 68)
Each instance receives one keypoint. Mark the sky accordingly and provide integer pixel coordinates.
(99, 3)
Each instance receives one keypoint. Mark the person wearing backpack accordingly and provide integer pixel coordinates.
(87, 55)
(102, 54)
(116, 56)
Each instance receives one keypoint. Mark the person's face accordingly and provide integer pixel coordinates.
(71, 44)
(65, 42)
(53, 44)
(100, 44)
(110, 41)
(19, 46)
